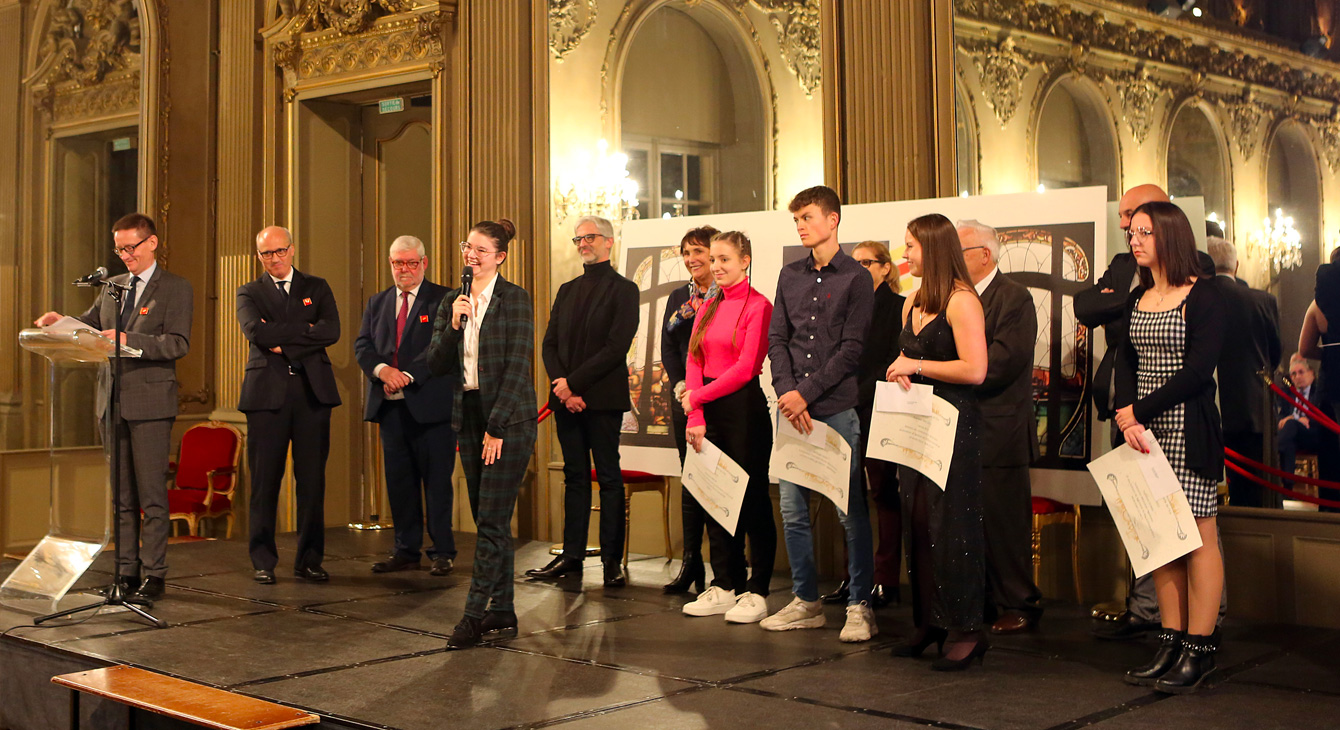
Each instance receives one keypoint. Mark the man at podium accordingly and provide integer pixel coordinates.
(156, 319)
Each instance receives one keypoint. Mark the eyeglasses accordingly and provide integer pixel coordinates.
(467, 248)
(128, 250)
(588, 238)
(280, 252)
(867, 263)
(410, 265)
(972, 248)
(1139, 235)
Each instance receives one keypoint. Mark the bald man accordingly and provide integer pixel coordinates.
(287, 394)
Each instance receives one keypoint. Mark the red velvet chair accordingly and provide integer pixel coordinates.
(205, 475)
(1050, 512)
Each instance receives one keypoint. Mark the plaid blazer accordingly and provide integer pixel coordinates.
(506, 357)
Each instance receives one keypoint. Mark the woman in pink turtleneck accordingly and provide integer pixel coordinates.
(725, 405)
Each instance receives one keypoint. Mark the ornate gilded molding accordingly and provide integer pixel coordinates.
(569, 22)
(387, 42)
(346, 17)
(116, 94)
(1161, 44)
(88, 39)
(1140, 96)
(799, 34)
(1328, 131)
(1002, 68)
(1245, 121)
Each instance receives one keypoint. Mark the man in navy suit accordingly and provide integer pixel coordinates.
(288, 392)
(413, 407)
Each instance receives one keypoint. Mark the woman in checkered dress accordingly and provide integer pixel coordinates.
(1177, 330)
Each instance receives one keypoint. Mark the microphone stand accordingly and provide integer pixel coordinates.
(115, 596)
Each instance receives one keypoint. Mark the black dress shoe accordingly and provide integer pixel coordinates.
(1126, 628)
(691, 572)
(315, 575)
(129, 584)
(919, 642)
(557, 568)
(882, 595)
(837, 597)
(150, 591)
(614, 576)
(395, 563)
(499, 625)
(266, 577)
(945, 664)
(442, 566)
(467, 634)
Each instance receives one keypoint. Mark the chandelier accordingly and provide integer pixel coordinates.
(597, 185)
(1277, 242)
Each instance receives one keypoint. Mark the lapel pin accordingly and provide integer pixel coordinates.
(144, 311)
(307, 302)
(423, 318)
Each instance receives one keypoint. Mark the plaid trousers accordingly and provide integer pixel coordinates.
(493, 490)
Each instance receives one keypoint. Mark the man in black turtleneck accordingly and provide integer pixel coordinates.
(591, 327)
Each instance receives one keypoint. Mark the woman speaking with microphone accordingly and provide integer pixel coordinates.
(486, 338)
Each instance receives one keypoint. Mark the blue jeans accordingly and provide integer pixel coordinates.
(855, 522)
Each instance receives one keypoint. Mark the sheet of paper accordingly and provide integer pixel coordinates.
(718, 484)
(66, 325)
(1158, 473)
(1155, 530)
(818, 435)
(824, 467)
(923, 443)
(891, 398)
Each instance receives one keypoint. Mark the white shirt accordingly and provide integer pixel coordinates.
(986, 280)
(409, 306)
(144, 277)
(289, 278)
(472, 325)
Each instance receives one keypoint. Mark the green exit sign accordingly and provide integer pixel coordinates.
(391, 106)
(121, 144)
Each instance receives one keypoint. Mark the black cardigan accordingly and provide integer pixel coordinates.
(881, 344)
(1193, 384)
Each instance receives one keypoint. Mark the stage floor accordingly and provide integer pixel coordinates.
(368, 650)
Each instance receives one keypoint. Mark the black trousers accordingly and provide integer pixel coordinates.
(881, 479)
(586, 437)
(305, 422)
(493, 490)
(143, 490)
(691, 513)
(1241, 492)
(1294, 437)
(739, 425)
(1007, 520)
(419, 457)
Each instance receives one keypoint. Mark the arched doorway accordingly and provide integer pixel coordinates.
(1076, 141)
(1198, 163)
(1293, 187)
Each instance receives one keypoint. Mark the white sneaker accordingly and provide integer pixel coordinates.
(750, 608)
(798, 614)
(860, 624)
(711, 602)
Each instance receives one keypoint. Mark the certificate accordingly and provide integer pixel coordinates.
(820, 461)
(923, 443)
(717, 482)
(1153, 516)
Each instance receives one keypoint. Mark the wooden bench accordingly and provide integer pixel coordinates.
(180, 699)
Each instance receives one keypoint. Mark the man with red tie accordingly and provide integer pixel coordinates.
(413, 407)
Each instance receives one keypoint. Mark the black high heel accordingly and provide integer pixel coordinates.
(945, 664)
(915, 646)
(691, 573)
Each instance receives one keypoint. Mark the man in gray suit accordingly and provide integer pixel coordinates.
(1009, 434)
(156, 319)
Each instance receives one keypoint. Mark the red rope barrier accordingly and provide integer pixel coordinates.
(1281, 473)
(1309, 409)
(1286, 492)
(543, 414)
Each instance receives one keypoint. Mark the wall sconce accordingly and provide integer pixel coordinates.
(1278, 242)
(597, 185)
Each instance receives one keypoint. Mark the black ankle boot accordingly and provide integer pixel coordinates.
(691, 572)
(1170, 647)
(1193, 665)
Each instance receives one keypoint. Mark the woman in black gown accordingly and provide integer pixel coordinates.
(943, 344)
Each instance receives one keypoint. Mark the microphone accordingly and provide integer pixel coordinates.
(467, 278)
(90, 279)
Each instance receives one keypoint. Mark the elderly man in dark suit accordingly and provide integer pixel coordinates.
(1244, 399)
(156, 319)
(1009, 434)
(585, 347)
(1298, 432)
(288, 392)
(413, 408)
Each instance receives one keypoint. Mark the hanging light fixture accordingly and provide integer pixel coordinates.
(597, 184)
(1278, 242)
